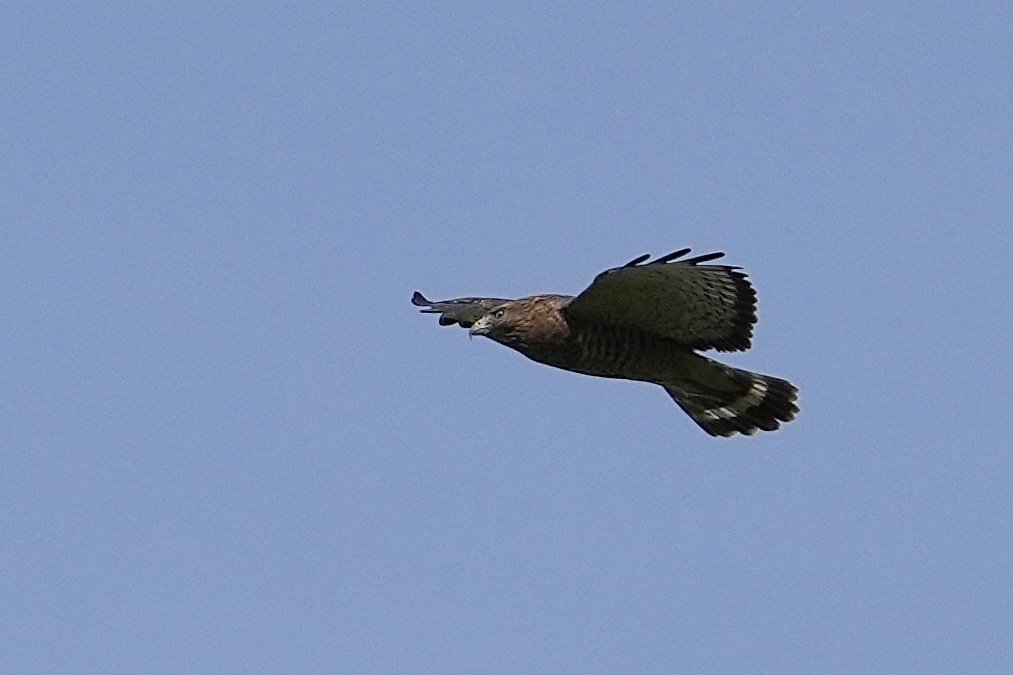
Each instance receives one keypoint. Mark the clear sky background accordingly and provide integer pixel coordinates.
(230, 443)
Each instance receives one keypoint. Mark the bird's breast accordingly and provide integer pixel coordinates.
(625, 354)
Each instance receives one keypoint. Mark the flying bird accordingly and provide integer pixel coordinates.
(645, 321)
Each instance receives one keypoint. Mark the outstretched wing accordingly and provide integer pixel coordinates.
(700, 306)
(464, 311)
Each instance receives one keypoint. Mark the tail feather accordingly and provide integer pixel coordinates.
(725, 400)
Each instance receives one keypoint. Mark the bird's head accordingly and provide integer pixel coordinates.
(493, 324)
(520, 324)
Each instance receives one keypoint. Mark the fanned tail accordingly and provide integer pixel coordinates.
(725, 401)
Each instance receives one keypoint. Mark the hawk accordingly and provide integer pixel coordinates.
(645, 321)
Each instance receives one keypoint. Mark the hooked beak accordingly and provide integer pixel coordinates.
(480, 327)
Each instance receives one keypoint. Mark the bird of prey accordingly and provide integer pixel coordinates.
(645, 321)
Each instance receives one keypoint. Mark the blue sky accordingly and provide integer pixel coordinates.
(230, 443)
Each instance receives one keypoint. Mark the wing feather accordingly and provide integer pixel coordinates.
(700, 306)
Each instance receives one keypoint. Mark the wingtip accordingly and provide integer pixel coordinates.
(674, 256)
(636, 261)
(671, 256)
(706, 257)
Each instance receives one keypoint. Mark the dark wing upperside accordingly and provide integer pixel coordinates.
(700, 306)
(464, 311)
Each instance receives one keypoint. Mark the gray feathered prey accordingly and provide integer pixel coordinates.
(463, 311)
(645, 321)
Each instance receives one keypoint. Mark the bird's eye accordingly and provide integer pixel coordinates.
(499, 313)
